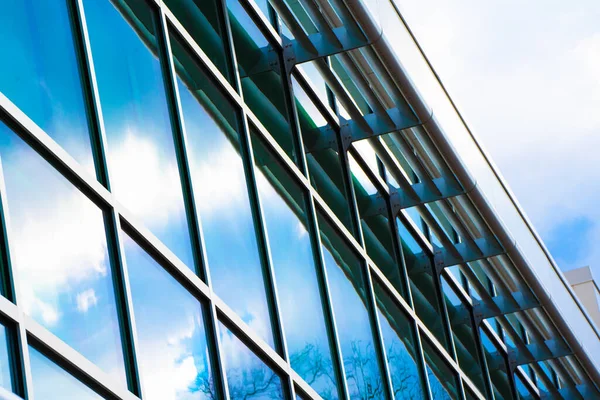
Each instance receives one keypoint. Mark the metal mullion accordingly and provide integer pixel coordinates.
(195, 225)
(421, 364)
(16, 313)
(338, 357)
(262, 22)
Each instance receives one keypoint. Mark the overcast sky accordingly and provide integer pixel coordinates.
(526, 76)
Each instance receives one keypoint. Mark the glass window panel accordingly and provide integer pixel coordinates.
(6, 373)
(324, 165)
(51, 382)
(301, 305)
(317, 81)
(58, 244)
(497, 367)
(40, 74)
(261, 76)
(398, 339)
(247, 376)
(347, 290)
(204, 21)
(172, 345)
(376, 228)
(442, 380)
(221, 195)
(141, 152)
(463, 333)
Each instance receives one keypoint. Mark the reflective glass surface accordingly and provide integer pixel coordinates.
(141, 154)
(442, 380)
(300, 302)
(5, 361)
(261, 76)
(58, 244)
(344, 271)
(247, 376)
(51, 382)
(221, 195)
(203, 20)
(39, 72)
(399, 346)
(172, 347)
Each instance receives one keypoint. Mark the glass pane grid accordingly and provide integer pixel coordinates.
(281, 218)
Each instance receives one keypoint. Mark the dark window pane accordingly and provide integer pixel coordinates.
(247, 376)
(204, 21)
(301, 305)
(141, 153)
(324, 164)
(51, 382)
(40, 74)
(221, 196)
(58, 244)
(172, 347)
(344, 271)
(262, 83)
(399, 346)
(442, 379)
(6, 372)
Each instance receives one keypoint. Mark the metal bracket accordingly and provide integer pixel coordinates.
(485, 247)
(502, 305)
(537, 352)
(269, 61)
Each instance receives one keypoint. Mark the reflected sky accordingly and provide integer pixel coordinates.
(51, 382)
(5, 364)
(247, 376)
(66, 282)
(437, 390)
(172, 348)
(352, 320)
(295, 275)
(399, 348)
(223, 204)
(39, 72)
(141, 153)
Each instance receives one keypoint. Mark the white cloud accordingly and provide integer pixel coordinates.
(85, 300)
(144, 181)
(525, 76)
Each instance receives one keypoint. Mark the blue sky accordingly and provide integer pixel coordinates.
(525, 76)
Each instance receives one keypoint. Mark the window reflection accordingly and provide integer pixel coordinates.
(247, 376)
(58, 244)
(141, 153)
(39, 72)
(172, 347)
(399, 347)
(221, 195)
(442, 380)
(344, 271)
(261, 73)
(51, 382)
(6, 380)
(300, 301)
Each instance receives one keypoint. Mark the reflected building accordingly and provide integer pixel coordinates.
(260, 199)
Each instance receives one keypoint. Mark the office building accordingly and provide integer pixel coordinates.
(210, 199)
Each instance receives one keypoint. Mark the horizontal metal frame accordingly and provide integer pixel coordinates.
(539, 351)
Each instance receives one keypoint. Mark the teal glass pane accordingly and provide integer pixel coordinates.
(204, 21)
(376, 227)
(442, 380)
(324, 164)
(51, 382)
(58, 244)
(247, 376)
(141, 152)
(39, 72)
(347, 290)
(497, 367)
(6, 380)
(221, 195)
(261, 76)
(172, 344)
(399, 344)
(300, 302)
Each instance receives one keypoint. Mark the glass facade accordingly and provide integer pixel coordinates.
(210, 199)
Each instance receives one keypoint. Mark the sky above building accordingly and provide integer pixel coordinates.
(526, 77)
